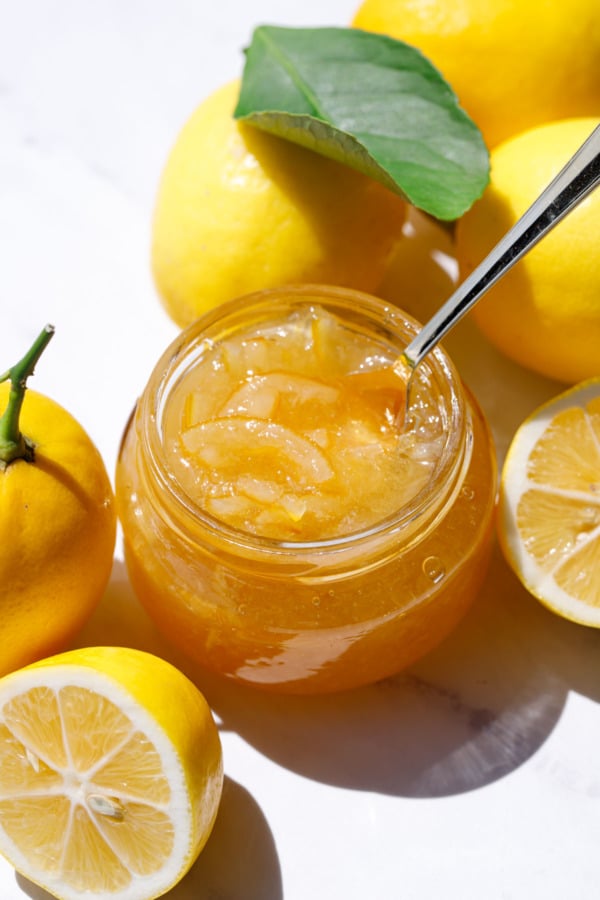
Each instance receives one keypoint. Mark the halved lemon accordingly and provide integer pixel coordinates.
(110, 774)
(549, 511)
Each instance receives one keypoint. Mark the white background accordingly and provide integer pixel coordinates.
(475, 776)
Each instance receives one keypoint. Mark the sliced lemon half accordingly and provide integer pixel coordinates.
(549, 511)
(110, 774)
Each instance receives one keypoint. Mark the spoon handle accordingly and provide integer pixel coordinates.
(573, 183)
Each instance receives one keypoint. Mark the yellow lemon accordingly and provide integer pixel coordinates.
(239, 210)
(549, 511)
(110, 774)
(57, 533)
(514, 64)
(545, 313)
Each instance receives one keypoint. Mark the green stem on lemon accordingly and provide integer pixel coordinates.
(13, 444)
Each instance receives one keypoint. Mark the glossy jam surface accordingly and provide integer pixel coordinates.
(293, 430)
(279, 527)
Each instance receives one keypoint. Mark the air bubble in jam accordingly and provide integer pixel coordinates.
(467, 492)
(434, 568)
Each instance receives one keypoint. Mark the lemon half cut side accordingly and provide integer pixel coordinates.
(549, 509)
(110, 774)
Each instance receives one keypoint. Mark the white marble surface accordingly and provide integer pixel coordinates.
(475, 776)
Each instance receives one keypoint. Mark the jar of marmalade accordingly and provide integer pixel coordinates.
(292, 518)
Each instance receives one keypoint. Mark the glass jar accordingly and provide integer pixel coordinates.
(307, 616)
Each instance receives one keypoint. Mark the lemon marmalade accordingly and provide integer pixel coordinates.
(289, 520)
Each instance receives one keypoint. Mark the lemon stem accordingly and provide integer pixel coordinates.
(13, 444)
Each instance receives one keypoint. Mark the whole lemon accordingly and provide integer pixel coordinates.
(57, 525)
(239, 210)
(514, 64)
(545, 312)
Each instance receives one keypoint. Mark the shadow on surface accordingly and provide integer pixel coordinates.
(240, 834)
(474, 710)
(240, 858)
(32, 890)
(467, 715)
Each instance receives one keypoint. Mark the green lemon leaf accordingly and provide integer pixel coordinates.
(371, 102)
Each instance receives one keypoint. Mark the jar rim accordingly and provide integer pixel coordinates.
(426, 503)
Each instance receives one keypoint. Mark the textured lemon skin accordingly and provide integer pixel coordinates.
(545, 312)
(239, 210)
(57, 534)
(175, 705)
(514, 64)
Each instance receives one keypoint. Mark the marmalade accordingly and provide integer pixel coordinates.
(291, 431)
(291, 519)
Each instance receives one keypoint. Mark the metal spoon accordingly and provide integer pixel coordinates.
(573, 183)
